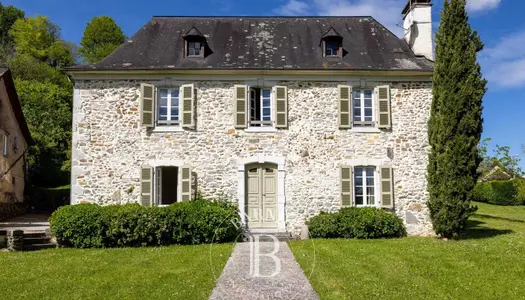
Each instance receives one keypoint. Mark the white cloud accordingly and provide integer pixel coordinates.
(505, 61)
(387, 12)
(481, 5)
(293, 8)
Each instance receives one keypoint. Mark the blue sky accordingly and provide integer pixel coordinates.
(499, 23)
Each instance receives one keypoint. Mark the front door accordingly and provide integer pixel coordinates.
(262, 196)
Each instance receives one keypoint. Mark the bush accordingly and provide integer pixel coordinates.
(500, 192)
(353, 222)
(133, 225)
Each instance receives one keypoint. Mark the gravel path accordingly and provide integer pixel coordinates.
(238, 282)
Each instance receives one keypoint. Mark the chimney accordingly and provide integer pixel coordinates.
(418, 27)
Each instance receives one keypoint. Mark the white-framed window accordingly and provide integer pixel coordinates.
(6, 145)
(194, 49)
(261, 107)
(365, 186)
(168, 106)
(363, 107)
(332, 48)
(166, 185)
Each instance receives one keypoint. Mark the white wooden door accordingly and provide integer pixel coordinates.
(262, 196)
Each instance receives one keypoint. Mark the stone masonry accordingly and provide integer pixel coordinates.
(110, 146)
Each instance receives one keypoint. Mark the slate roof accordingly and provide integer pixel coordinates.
(263, 43)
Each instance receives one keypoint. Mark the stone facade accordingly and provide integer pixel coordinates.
(110, 146)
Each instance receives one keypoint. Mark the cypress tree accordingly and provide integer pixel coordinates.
(455, 123)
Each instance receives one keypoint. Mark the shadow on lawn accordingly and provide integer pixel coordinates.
(475, 231)
(498, 218)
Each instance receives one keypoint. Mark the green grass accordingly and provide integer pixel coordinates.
(487, 263)
(175, 272)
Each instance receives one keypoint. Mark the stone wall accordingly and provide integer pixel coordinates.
(110, 146)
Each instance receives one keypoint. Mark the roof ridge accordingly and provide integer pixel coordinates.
(264, 17)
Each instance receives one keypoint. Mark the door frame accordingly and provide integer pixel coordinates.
(281, 198)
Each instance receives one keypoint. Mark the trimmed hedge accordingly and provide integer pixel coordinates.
(353, 222)
(500, 192)
(133, 225)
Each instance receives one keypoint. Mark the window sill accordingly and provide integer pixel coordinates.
(261, 129)
(168, 129)
(365, 130)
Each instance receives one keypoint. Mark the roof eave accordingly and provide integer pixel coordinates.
(316, 72)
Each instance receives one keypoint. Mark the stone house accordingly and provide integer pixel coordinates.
(14, 138)
(286, 116)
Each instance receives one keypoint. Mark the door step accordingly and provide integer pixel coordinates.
(267, 236)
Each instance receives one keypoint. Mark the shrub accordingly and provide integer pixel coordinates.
(133, 225)
(500, 192)
(353, 222)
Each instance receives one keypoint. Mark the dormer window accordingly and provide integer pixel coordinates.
(332, 44)
(332, 48)
(194, 49)
(195, 43)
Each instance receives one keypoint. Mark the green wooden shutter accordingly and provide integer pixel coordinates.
(241, 106)
(185, 176)
(188, 105)
(387, 187)
(146, 186)
(345, 106)
(383, 100)
(281, 106)
(147, 104)
(347, 175)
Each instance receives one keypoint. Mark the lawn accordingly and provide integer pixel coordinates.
(175, 272)
(488, 263)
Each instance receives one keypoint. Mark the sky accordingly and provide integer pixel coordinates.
(498, 22)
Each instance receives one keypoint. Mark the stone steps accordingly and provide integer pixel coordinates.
(266, 236)
(26, 241)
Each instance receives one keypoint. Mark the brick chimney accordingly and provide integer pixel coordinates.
(418, 27)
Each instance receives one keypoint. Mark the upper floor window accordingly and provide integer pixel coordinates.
(168, 106)
(172, 106)
(366, 109)
(261, 107)
(194, 49)
(363, 107)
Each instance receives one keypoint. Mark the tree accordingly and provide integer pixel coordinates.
(8, 16)
(455, 123)
(101, 37)
(47, 109)
(34, 36)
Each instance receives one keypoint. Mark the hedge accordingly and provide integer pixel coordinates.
(500, 192)
(353, 222)
(133, 225)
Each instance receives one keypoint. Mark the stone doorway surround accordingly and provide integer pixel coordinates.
(281, 198)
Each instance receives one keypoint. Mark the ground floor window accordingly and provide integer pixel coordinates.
(166, 182)
(364, 186)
